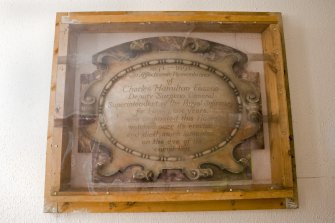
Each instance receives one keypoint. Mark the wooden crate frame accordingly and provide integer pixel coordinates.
(281, 194)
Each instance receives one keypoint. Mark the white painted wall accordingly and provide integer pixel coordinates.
(26, 42)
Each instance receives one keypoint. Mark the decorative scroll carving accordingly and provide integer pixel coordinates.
(88, 102)
(147, 175)
(198, 45)
(195, 174)
(253, 107)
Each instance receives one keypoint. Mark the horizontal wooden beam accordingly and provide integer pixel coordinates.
(139, 196)
(126, 17)
(107, 207)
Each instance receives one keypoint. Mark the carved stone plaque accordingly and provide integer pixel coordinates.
(168, 104)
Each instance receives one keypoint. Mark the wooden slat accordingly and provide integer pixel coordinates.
(125, 17)
(295, 198)
(94, 13)
(58, 162)
(279, 129)
(158, 27)
(172, 206)
(50, 206)
(170, 21)
(169, 196)
(63, 106)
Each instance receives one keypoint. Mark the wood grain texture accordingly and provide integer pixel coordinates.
(107, 207)
(50, 174)
(279, 129)
(125, 17)
(168, 196)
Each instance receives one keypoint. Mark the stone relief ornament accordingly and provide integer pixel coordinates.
(168, 106)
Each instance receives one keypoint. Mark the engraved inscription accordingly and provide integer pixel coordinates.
(170, 110)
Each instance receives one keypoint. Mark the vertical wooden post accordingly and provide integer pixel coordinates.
(279, 130)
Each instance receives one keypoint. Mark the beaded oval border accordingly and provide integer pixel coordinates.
(124, 72)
